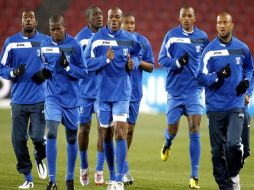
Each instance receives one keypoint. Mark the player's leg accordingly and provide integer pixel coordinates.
(37, 132)
(70, 121)
(20, 119)
(86, 111)
(246, 135)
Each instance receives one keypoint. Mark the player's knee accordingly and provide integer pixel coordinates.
(51, 134)
(72, 138)
(84, 129)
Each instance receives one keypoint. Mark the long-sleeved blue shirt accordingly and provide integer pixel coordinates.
(221, 95)
(182, 80)
(63, 87)
(113, 80)
(19, 49)
(136, 75)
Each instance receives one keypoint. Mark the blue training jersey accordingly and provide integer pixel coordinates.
(63, 87)
(182, 80)
(88, 87)
(113, 80)
(136, 75)
(19, 49)
(221, 95)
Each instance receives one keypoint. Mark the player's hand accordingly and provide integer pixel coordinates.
(247, 99)
(242, 87)
(110, 53)
(19, 70)
(184, 59)
(225, 72)
(63, 61)
(130, 63)
(40, 76)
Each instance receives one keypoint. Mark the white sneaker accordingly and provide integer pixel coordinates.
(84, 177)
(111, 185)
(41, 169)
(127, 179)
(235, 182)
(119, 186)
(27, 185)
(98, 178)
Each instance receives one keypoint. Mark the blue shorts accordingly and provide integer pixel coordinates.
(113, 111)
(69, 117)
(189, 104)
(133, 112)
(87, 108)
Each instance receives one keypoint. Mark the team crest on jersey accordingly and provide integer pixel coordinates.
(38, 52)
(125, 51)
(198, 49)
(238, 60)
(68, 57)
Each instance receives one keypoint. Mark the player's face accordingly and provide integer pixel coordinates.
(129, 23)
(224, 27)
(28, 21)
(57, 31)
(187, 18)
(115, 19)
(96, 18)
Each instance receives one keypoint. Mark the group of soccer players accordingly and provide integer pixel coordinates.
(100, 71)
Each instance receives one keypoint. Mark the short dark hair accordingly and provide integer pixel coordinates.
(90, 9)
(56, 18)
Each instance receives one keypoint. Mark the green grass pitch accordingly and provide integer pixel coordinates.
(149, 171)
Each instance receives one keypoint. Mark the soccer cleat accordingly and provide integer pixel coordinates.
(111, 185)
(70, 185)
(165, 152)
(128, 179)
(119, 186)
(194, 183)
(98, 178)
(84, 177)
(235, 182)
(41, 169)
(27, 185)
(51, 186)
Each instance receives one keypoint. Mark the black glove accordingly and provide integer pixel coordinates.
(63, 61)
(40, 76)
(19, 70)
(242, 87)
(225, 72)
(184, 59)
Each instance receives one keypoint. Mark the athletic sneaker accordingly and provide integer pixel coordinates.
(165, 152)
(51, 186)
(41, 169)
(119, 186)
(235, 182)
(194, 183)
(128, 179)
(84, 177)
(111, 185)
(98, 178)
(27, 185)
(69, 185)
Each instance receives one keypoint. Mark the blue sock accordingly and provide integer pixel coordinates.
(109, 155)
(121, 152)
(72, 151)
(100, 161)
(83, 159)
(194, 153)
(28, 176)
(126, 167)
(51, 152)
(168, 137)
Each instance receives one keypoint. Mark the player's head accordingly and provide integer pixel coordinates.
(129, 22)
(187, 17)
(57, 28)
(28, 21)
(224, 26)
(94, 17)
(115, 19)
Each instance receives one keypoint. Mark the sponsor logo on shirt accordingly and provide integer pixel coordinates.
(198, 49)
(238, 60)
(125, 51)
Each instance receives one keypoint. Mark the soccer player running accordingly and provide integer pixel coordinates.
(89, 105)
(180, 54)
(226, 68)
(64, 65)
(147, 62)
(114, 52)
(20, 60)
